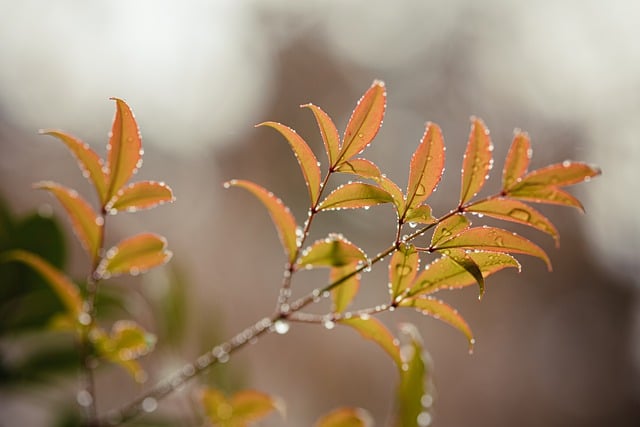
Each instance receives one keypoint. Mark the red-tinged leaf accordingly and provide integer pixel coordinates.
(515, 211)
(560, 174)
(126, 343)
(307, 160)
(135, 255)
(364, 122)
(344, 293)
(395, 192)
(413, 378)
(494, 239)
(420, 215)
(464, 260)
(346, 417)
(518, 158)
(445, 273)
(372, 329)
(251, 405)
(355, 195)
(280, 214)
(403, 268)
(334, 251)
(545, 194)
(361, 167)
(449, 228)
(124, 151)
(139, 195)
(90, 163)
(477, 161)
(66, 290)
(85, 222)
(427, 166)
(329, 133)
(441, 311)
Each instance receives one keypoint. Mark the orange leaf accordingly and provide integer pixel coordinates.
(403, 268)
(86, 223)
(449, 228)
(334, 251)
(364, 122)
(251, 405)
(464, 260)
(427, 165)
(328, 131)
(515, 211)
(90, 163)
(361, 167)
(306, 159)
(124, 151)
(420, 215)
(372, 329)
(560, 174)
(395, 192)
(545, 194)
(355, 195)
(139, 195)
(517, 161)
(477, 161)
(280, 215)
(346, 417)
(344, 293)
(135, 255)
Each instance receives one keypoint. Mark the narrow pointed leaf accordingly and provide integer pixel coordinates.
(124, 151)
(251, 405)
(140, 195)
(345, 292)
(90, 163)
(280, 214)
(413, 377)
(346, 417)
(560, 174)
(439, 310)
(330, 136)
(306, 159)
(355, 195)
(449, 228)
(126, 343)
(517, 161)
(427, 166)
(361, 167)
(334, 251)
(494, 239)
(545, 194)
(403, 268)
(420, 215)
(477, 161)
(364, 122)
(465, 261)
(135, 255)
(395, 192)
(372, 329)
(515, 211)
(84, 220)
(66, 290)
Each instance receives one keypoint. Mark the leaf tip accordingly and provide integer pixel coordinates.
(378, 83)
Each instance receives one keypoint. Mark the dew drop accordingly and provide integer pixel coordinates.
(403, 270)
(365, 316)
(224, 357)
(149, 404)
(84, 318)
(420, 191)
(84, 398)
(520, 214)
(134, 271)
(281, 326)
(426, 400)
(226, 185)
(566, 163)
(424, 419)
(99, 221)
(413, 224)
(329, 324)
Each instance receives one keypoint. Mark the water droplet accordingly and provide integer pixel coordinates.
(149, 404)
(365, 316)
(99, 221)
(188, 370)
(134, 271)
(499, 241)
(420, 191)
(566, 163)
(281, 326)
(426, 400)
(84, 398)
(424, 419)
(224, 357)
(403, 270)
(413, 224)
(84, 318)
(360, 135)
(285, 308)
(520, 214)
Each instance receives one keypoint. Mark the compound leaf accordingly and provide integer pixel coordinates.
(140, 195)
(355, 195)
(439, 310)
(333, 251)
(346, 417)
(135, 255)
(372, 329)
(124, 150)
(477, 161)
(403, 268)
(517, 161)
(330, 136)
(427, 166)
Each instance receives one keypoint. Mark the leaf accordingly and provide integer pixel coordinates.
(330, 136)
(306, 159)
(280, 215)
(135, 255)
(344, 293)
(66, 290)
(241, 409)
(494, 239)
(545, 194)
(334, 251)
(346, 417)
(515, 211)
(140, 195)
(364, 122)
(403, 268)
(124, 151)
(90, 163)
(395, 192)
(517, 160)
(439, 310)
(372, 329)
(412, 380)
(444, 272)
(427, 166)
(420, 214)
(465, 261)
(560, 174)
(477, 161)
(449, 228)
(85, 222)
(361, 167)
(355, 195)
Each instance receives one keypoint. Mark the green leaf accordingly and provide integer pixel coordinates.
(494, 239)
(329, 133)
(240, 410)
(403, 268)
(333, 251)
(372, 329)
(364, 122)
(412, 381)
(307, 160)
(361, 167)
(135, 255)
(86, 224)
(448, 228)
(344, 293)
(545, 194)
(346, 417)
(560, 174)
(515, 211)
(140, 195)
(517, 161)
(427, 166)
(465, 261)
(90, 163)
(355, 195)
(124, 151)
(280, 215)
(396, 193)
(420, 215)
(477, 161)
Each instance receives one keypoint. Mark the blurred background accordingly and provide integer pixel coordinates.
(560, 349)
